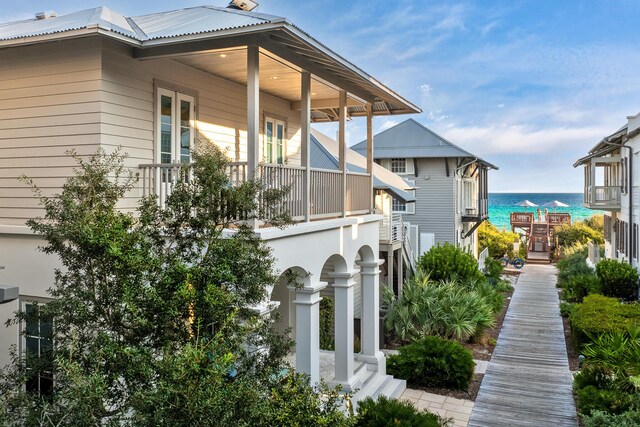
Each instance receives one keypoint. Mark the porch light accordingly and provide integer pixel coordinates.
(274, 77)
(223, 55)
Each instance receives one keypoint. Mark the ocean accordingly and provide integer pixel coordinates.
(502, 204)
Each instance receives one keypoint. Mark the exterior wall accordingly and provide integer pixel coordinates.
(29, 269)
(630, 198)
(435, 199)
(49, 103)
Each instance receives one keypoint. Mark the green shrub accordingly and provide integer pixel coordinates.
(599, 314)
(579, 286)
(448, 309)
(573, 263)
(566, 308)
(493, 270)
(578, 232)
(592, 376)
(590, 398)
(386, 412)
(618, 279)
(445, 262)
(499, 242)
(433, 362)
(603, 419)
(327, 330)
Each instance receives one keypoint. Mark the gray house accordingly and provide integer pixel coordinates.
(451, 186)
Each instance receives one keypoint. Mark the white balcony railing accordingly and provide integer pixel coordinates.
(326, 198)
(602, 195)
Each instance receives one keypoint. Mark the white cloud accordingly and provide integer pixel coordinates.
(425, 89)
(525, 139)
(389, 123)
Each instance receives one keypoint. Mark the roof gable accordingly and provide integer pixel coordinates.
(411, 139)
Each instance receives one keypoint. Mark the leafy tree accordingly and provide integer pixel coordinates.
(581, 232)
(152, 319)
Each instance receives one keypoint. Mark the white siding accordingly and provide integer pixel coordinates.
(49, 104)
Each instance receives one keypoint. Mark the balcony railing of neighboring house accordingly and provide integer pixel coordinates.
(475, 209)
(325, 198)
(393, 229)
(602, 196)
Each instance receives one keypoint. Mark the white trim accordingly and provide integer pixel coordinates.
(176, 100)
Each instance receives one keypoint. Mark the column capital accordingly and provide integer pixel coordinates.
(344, 279)
(265, 308)
(370, 268)
(308, 295)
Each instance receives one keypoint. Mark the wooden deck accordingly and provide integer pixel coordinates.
(528, 382)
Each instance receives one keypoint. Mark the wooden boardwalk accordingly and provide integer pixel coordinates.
(528, 382)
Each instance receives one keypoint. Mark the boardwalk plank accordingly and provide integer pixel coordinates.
(528, 382)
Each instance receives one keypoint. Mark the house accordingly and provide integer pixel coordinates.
(159, 84)
(450, 184)
(611, 184)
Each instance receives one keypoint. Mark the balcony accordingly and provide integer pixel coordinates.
(602, 197)
(326, 199)
(559, 219)
(476, 211)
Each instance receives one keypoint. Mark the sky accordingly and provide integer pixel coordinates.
(529, 85)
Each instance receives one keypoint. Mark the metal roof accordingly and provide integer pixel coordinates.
(183, 31)
(411, 139)
(604, 147)
(324, 156)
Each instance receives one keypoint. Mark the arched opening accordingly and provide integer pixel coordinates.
(283, 295)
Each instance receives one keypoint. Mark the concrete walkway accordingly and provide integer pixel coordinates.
(528, 382)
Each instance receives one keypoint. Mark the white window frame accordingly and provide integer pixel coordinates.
(270, 155)
(23, 334)
(177, 98)
(408, 208)
(398, 165)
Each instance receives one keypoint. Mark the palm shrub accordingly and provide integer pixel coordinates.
(448, 309)
(579, 286)
(433, 362)
(493, 270)
(443, 262)
(386, 412)
(618, 279)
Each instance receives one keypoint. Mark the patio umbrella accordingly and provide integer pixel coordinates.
(555, 204)
(526, 204)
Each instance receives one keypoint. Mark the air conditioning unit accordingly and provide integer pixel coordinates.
(246, 5)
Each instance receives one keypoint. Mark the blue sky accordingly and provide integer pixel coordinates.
(528, 85)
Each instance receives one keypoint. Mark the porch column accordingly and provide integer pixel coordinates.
(342, 120)
(370, 153)
(370, 344)
(305, 121)
(308, 331)
(343, 288)
(253, 113)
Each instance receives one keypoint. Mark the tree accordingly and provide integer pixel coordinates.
(151, 311)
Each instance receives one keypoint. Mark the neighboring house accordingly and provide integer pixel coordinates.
(158, 85)
(612, 185)
(451, 184)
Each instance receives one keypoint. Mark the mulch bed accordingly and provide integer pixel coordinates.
(572, 351)
(470, 394)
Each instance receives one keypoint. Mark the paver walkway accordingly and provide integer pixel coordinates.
(528, 382)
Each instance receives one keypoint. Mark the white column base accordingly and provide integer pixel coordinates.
(376, 363)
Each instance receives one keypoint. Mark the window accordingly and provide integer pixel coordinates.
(634, 246)
(37, 345)
(402, 207)
(274, 141)
(607, 228)
(176, 123)
(399, 165)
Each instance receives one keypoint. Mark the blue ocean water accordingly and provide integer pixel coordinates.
(502, 204)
